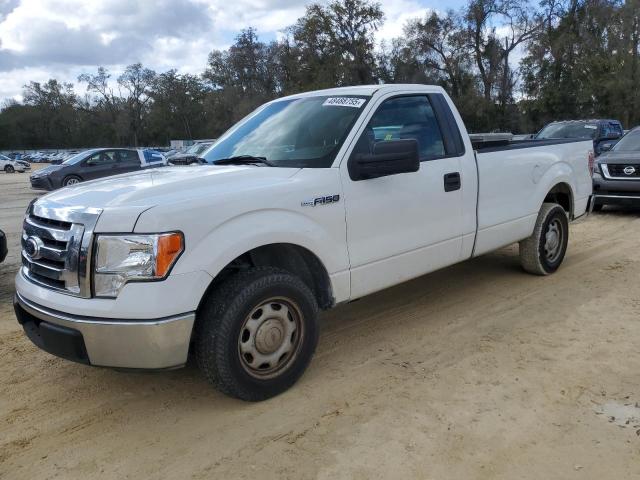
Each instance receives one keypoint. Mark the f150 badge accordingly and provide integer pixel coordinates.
(321, 201)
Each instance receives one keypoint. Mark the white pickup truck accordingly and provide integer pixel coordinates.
(310, 201)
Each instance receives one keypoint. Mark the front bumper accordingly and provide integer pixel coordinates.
(142, 344)
(40, 183)
(615, 192)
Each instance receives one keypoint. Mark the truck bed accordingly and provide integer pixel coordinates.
(513, 180)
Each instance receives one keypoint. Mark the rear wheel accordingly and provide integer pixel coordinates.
(70, 180)
(256, 334)
(543, 252)
(9, 169)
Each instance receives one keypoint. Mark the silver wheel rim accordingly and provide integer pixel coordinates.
(71, 181)
(553, 240)
(9, 169)
(270, 338)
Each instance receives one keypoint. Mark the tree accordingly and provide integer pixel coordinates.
(137, 82)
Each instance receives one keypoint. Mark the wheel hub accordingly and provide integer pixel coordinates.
(269, 336)
(553, 240)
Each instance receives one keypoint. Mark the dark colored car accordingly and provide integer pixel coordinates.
(192, 155)
(3, 246)
(96, 163)
(616, 173)
(604, 133)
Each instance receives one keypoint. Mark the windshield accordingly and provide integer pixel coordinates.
(629, 143)
(4, 157)
(197, 148)
(77, 157)
(568, 130)
(301, 132)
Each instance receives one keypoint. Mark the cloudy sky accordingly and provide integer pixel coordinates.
(42, 39)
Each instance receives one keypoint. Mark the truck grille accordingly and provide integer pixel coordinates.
(618, 171)
(56, 244)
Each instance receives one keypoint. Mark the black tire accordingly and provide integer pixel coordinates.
(223, 322)
(71, 180)
(597, 207)
(540, 254)
(9, 169)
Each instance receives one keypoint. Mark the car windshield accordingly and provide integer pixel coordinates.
(568, 130)
(4, 157)
(302, 132)
(198, 148)
(77, 157)
(629, 143)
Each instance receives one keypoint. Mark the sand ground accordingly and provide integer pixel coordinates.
(479, 371)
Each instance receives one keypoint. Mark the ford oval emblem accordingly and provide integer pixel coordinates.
(32, 247)
(629, 170)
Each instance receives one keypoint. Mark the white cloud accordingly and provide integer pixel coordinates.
(42, 39)
(397, 14)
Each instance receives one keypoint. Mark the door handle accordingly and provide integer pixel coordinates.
(452, 182)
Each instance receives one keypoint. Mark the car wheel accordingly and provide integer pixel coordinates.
(256, 334)
(71, 180)
(543, 252)
(9, 169)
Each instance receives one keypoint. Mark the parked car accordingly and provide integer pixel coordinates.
(11, 166)
(25, 164)
(313, 200)
(95, 163)
(3, 246)
(191, 156)
(604, 133)
(616, 176)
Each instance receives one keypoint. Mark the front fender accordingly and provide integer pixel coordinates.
(250, 230)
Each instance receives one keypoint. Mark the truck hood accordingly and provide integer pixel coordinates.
(628, 158)
(156, 186)
(122, 198)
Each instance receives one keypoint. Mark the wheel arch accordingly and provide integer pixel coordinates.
(562, 194)
(290, 257)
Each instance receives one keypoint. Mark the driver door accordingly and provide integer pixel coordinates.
(100, 164)
(404, 225)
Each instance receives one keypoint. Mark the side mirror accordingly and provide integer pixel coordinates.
(388, 158)
(605, 147)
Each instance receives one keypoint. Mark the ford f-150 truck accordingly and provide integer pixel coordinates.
(310, 201)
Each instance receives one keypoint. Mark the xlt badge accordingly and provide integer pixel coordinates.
(321, 201)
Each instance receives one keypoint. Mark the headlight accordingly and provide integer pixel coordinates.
(123, 258)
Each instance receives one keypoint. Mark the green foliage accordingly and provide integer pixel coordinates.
(581, 59)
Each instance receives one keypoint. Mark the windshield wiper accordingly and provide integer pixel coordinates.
(243, 160)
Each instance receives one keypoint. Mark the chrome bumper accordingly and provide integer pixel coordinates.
(142, 344)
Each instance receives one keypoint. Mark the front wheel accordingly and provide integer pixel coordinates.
(543, 252)
(256, 334)
(9, 169)
(70, 180)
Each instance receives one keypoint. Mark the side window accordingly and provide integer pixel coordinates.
(129, 157)
(400, 118)
(617, 128)
(106, 157)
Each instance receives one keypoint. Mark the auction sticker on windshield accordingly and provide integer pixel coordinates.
(344, 102)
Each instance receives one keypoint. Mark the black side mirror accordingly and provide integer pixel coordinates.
(388, 158)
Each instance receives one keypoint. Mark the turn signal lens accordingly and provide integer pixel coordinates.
(170, 246)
